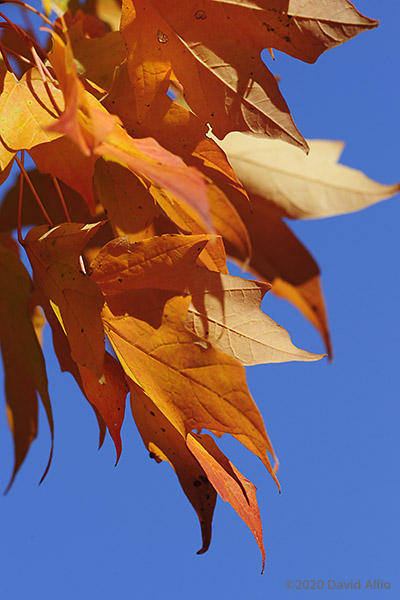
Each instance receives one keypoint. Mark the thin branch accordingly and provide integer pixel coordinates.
(29, 7)
(34, 192)
(62, 199)
(25, 37)
(20, 193)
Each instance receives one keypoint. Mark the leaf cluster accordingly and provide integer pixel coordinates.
(150, 126)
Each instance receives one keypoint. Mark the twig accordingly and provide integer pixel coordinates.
(20, 192)
(34, 192)
(61, 196)
(29, 7)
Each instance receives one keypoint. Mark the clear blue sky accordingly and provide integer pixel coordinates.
(92, 530)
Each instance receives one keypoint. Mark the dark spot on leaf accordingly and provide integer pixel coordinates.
(163, 429)
(152, 414)
(196, 483)
(200, 14)
(119, 280)
(203, 478)
(152, 455)
(82, 330)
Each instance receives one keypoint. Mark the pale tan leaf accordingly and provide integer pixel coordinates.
(225, 311)
(298, 186)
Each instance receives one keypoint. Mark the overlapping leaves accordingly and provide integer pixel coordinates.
(155, 203)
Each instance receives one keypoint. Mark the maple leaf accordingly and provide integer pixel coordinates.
(297, 186)
(184, 379)
(213, 50)
(225, 310)
(75, 299)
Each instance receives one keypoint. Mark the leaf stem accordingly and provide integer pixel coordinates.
(34, 192)
(61, 196)
(29, 7)
(43, 72)
(20, 193)
(20, 56)
(25, 37)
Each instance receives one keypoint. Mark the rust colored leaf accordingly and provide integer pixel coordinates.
(158, 262)
(165, 442)
(194, 386)
(281, 259)
(62, 158)
(108, 397)
(214, 55)
(24, 366)
(74, 297)
(225, 310)
(166, 171)
(173, 126)
(97, 57)
(127, 202)
(230, 484)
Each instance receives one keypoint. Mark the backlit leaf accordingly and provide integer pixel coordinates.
(194, 386)
(229, 483)
(298, 186)
(74, 297)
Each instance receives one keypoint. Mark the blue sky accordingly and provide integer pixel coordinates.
(128, 532)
